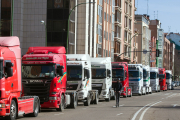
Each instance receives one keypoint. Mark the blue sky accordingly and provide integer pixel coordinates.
(168, 12)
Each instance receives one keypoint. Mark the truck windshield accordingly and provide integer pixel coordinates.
(74, 72)
(38, 71)
(116, 73)
(98, 73)
(153, 75)
(161, 76)
(134, 74)
(168, 76)
(145, 74)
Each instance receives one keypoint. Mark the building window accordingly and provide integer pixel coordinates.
(130, 10)
(126, 20)
(107, 17)
(125, 36)
(117, 31)
(117, 16)
(126, 8)
(129, 24)
(100, 14)
(118, 3)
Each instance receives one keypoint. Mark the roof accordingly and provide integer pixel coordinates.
(9, 41)
(46, 50)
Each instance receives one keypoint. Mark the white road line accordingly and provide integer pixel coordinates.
(174, 105)
(59, 114)
(119, 114)
(142, 115)
(119, 105)
(162, 98)
(135, 115)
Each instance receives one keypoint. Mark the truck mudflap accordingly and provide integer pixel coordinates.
(71, 99)
(94, 96)
(126, 92)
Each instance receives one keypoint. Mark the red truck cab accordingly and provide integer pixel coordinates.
(12, 103)
(120, 70)
(44, 75)
(162, 79)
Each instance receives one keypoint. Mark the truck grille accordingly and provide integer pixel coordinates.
(38, 89)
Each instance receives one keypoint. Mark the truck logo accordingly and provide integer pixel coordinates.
(62, 77)
(36, 81)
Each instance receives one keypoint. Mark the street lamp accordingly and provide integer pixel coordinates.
(43, 22)
(68, 22)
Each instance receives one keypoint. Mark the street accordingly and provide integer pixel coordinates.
(156, 106)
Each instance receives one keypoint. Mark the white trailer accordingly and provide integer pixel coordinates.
(102, 77)
(146, 78)
(154, 79)
(79, 78)
(169, 79)
(136, 79)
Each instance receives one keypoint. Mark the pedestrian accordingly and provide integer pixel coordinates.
(117, 89)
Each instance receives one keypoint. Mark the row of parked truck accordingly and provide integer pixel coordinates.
(45, 77)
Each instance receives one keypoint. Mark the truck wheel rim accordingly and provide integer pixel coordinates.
(13, 110)
(36, 107)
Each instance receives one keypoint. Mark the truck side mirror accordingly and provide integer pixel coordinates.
(109, 73)
(8, 69)
(59, 70)
(86, 74)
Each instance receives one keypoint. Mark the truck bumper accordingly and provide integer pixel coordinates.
(50, 104)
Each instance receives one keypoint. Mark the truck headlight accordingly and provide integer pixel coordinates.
(104, 93)
(52, 98)
(2, 105)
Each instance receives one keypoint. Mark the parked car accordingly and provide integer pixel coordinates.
(177, 83)
(173, 84)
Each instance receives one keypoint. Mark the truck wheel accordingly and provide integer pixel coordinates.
(109, 97)
(36, 108)
(61, 106)
(87, 103)
(13, 111)
(131, 93)
(125, 96)
(74, 103)
(96, 99)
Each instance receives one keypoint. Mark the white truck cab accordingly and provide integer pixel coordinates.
(79, 78)
(136, 78)
(102, 77)
(146, 78)
(154, 79)
(169, 79)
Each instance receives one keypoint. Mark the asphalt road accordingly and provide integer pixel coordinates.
(164, 105)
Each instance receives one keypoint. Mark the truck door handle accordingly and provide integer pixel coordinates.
(12, 85)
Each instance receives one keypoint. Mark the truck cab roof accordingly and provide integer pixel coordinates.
(9, 41)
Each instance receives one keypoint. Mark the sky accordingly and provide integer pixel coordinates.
(168, 12)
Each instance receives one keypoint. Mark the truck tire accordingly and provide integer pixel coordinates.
(36, 108)
(61, 106)
(74, 103)
(87, 103)
(109, 97)
(96, 99)
(13, 111)
(131, 93)
(125, 96)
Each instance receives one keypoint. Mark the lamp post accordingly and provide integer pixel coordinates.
(68, 23)
(42, 22)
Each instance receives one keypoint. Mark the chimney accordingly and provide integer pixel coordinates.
(148, 17)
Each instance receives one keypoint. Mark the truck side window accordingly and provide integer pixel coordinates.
(1, 69)
(125, 74)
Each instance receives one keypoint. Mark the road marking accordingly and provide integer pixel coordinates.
(135, 115)
(142, 115)
(171, 95)
(84, 108)
(162, 98)
(174, 105)
(59, 114)
(119, 114)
